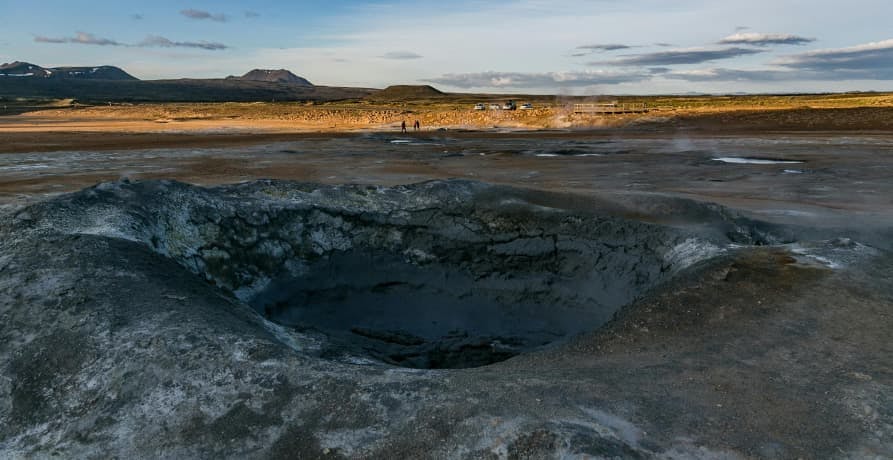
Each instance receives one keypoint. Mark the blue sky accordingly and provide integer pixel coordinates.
(563, 47)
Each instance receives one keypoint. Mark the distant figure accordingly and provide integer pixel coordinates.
(417, 126)
(403, 127)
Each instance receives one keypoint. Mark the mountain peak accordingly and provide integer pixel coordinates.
(275, 76)
(27, 70)
(103, 72)
(23, 69)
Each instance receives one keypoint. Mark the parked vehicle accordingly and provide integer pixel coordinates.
(510, 105)
(495, 107)
(527, 106)
(480, 107)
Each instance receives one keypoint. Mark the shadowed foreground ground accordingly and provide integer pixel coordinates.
(126, 329)
(157, 319)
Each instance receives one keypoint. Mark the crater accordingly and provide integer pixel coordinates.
(459, 290)
(439, 275)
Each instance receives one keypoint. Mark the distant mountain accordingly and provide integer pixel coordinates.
(23, 70)
(273, 76)
(27, 70)
(104, 72)
(103, 84)
(404, 92)
(182, 90)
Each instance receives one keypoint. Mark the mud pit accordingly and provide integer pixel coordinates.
(440, 287)
(448, 274)
(447, 319)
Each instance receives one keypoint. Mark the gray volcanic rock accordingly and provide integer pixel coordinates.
(132, 325)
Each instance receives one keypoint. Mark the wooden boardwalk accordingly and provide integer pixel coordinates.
(611, 108)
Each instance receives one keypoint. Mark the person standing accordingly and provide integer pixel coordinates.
(417, 126)
(403, 127)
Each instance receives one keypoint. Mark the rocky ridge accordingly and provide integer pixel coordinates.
(26, 70)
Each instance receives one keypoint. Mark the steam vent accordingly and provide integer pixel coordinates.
(445, 319)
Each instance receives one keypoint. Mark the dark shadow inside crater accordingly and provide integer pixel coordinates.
(433, 315)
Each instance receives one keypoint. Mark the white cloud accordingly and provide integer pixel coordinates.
(875, 55)
(401, 55)
(201, 14)
(604, 47)
(547, 80)
(679, 57)
(162, 42)
(758, 39)
(80, 38)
